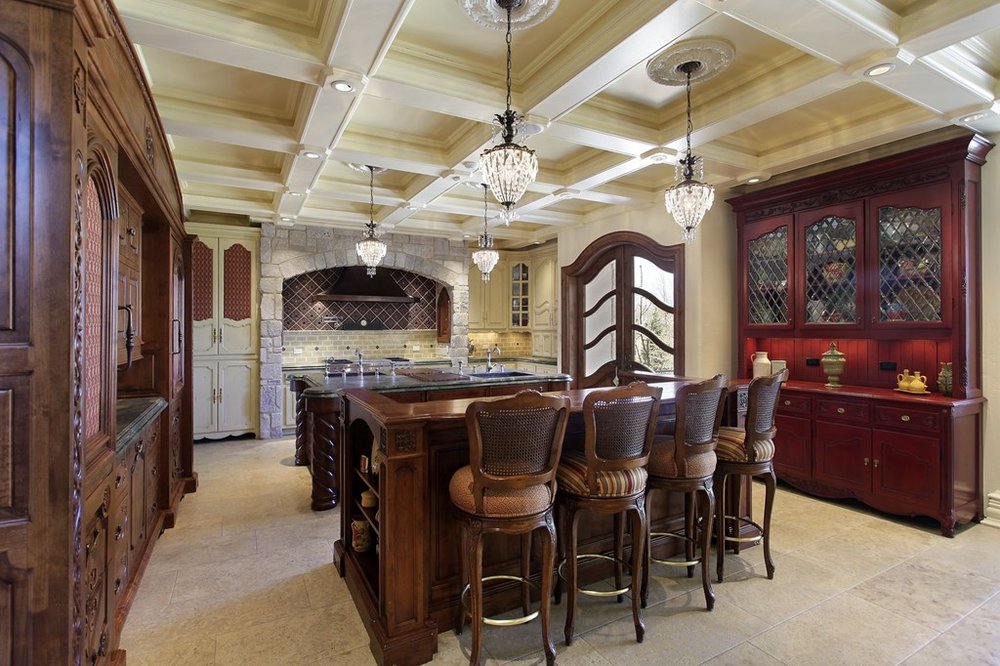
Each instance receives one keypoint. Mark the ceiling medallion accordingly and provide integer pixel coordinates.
(712, 56)
(366, 169)
(523, 13)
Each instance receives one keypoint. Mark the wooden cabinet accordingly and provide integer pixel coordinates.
(129, 278)
(901, 454)
(876, 257)
(225, 397)
(224, 330)
(489, 308)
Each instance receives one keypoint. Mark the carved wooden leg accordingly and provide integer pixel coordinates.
(619, 553)
(548, 562)
(476, 593)
(324, 463)
(561, 541)
(301, 436)
(644, 594)
(525, 572)
(640, 527)
(572, 520)
(690, 529)
(706, 542)
(463, 574)
(769, 484)
(735, 499)
(720, 526)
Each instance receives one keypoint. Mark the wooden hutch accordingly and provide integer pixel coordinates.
(882, 258)
(95, 407)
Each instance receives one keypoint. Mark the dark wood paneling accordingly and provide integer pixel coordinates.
(15, 414)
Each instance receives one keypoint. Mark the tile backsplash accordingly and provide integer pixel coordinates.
(317, 346)
(511, 343)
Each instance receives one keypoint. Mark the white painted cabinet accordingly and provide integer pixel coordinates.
(287, 403)
(544, 292)
(225, 397)
(489, 307)
(224, 312)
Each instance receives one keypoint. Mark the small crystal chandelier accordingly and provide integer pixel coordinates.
(485, 258)
(371, 249)
(688, 201)
(508, 167)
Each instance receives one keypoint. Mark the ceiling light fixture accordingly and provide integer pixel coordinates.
(879, 69)
(371, 249)
(973, 117)
(311, 154)
(689, 200)
(486, 257)
(508, 167)
(343, 86)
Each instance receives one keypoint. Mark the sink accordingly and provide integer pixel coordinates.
(508, 373)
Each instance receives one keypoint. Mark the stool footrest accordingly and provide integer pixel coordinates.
(750, 539)
(675, 563)
(512, 622)
(598, 593)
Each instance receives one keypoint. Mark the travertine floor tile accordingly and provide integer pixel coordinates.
(974, 640)
(744, 654)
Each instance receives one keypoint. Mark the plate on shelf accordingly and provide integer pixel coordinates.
(924, 392)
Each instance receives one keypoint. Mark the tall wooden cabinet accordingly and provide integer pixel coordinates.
(225, 339)
(883, 259)
(90, 218)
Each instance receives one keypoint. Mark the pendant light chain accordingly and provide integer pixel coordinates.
(371, 197)
(509, 49)
(689, 166)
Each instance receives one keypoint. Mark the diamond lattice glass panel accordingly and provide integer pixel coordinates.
(909, 242)
(831, 280)
(767, 278)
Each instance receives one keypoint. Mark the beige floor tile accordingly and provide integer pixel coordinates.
(174, 551)
(455, 649)
(928, 592)
(974, 640)
(974, 549)
(868, 550)
(189, 650)
(744, 654)
(580, 653)
(155, 590)
(677, 632)
(845, 630)
(313, 637)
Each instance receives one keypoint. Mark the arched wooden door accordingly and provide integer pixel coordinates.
(623, 310)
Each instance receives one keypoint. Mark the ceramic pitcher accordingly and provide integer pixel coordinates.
(904, 380)
(761, 364)
(919, 383)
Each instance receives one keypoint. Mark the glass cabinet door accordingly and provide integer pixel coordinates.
(909, 235)
(768, 287)
(519, 306)
(830, 249)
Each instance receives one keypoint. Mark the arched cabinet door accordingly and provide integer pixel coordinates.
(622, 310)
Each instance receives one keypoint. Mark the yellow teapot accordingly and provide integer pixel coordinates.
(918, 383)
(903, 380)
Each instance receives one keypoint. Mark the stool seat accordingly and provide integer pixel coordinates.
(732, 447)
(572, 478)
(663, 460)
(498, 502)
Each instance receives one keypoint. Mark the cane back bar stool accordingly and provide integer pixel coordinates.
(685, 463)
(509, 487)
(748, 452)
(609, 477)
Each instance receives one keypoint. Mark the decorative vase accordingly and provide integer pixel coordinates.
(944, 378)
(903, 380)
(833, 362)
(761, 364)
(361, 535)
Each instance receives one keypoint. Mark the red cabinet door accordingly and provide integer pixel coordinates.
(906, 469)
(793, 447)
(843, 456)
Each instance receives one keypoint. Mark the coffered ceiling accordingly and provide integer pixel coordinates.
(245, 91)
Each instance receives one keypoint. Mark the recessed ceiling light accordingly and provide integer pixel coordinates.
(341, 85)
(753, 177)
(311, 154)
(879, 69)
(298, 194)
(287, 219)
(658, 156)
(973, 117)
(754, 180)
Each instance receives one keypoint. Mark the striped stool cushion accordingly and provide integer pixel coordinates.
(572, 478)
(662, 461)
(515, 502)
(731, 448)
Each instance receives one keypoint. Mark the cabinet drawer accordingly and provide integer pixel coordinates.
(840, 410)
(905, 418)
(793, 404)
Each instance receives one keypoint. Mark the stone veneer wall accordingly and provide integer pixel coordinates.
(285, 252)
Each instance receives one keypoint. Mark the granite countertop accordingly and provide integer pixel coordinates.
(133, 415)
(544, 360)
(323, 386)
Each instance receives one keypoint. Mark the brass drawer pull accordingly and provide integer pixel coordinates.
(904, 418)
(788, 402)
(840, 410)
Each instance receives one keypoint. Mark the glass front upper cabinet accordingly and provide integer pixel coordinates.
(519, 295)
(768, 287)
(831, 242)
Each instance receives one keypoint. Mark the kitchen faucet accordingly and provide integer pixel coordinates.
(489, 357)
(361, 368)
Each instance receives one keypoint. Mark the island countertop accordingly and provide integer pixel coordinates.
(417, 379)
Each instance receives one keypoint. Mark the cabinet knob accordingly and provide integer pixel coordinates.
(866, 462)
(875, 462)
(904, 418)
(840, 410)
(788, 402)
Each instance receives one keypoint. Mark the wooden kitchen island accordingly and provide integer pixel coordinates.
(406, 585)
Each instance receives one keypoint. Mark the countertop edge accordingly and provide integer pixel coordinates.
(133, 416)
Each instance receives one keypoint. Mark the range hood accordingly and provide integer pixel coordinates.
(355, 285)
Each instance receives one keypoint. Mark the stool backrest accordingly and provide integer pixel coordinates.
(762, 401)
(699, 415)
(515, 442)
(618, 428)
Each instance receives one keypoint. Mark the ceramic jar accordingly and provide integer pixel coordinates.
(761, 364)
(944, 378)
(918, 384)
(369, 499)
(361, 535)
(833, 362)
(903, 380)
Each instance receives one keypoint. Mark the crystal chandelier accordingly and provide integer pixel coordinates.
(689, 200)
(485, 258)
(371, 249)
(508, 167)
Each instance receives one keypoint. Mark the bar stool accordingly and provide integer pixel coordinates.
(748, 452)
(508, 487)
(609, 477)
(685, 463)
